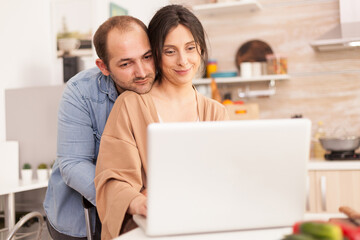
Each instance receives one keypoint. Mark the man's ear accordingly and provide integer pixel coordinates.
(102, 66)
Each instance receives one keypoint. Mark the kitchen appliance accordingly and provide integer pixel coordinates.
(342, 148)
(342, 155)
(70, 66)
(346, 35)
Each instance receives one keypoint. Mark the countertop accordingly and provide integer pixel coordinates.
(321, 164)
(263, 234)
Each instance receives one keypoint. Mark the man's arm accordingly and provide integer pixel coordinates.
(76, 143)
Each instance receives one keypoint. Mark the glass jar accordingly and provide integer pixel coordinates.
(276, 64)
(211, 67)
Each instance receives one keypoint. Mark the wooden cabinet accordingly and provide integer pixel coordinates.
(330, 189)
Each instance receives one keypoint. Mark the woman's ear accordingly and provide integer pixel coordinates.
(102, 66)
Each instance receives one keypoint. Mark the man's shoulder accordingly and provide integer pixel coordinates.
(86, 78)
(92, 84)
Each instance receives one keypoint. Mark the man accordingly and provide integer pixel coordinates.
(125, 63)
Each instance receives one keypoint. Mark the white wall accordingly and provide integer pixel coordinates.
(28, 52)
(25, 47)
(141, 9)
(27, 44)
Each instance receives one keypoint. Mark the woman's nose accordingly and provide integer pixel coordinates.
(182, 59)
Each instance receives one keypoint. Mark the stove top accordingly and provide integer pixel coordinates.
(349, 155)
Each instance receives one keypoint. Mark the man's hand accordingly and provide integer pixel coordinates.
(138, 206)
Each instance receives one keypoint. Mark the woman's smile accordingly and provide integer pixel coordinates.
(183, 71)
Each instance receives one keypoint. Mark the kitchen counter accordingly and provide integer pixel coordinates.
(321, 164)
(263, 234)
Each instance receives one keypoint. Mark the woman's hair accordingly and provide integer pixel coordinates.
(122, 23)
(165, 20)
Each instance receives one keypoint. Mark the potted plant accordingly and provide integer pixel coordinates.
(42, 172)
(26, 173)
(67, 41)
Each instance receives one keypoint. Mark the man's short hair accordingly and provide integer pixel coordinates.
(122, 23)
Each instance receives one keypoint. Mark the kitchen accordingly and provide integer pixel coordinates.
(322, 86)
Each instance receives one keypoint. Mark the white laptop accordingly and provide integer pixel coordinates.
(224, 176)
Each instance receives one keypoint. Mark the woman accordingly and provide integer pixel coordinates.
(178, 43)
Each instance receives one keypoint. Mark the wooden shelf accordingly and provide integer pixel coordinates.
(227, 7)
(241, 79)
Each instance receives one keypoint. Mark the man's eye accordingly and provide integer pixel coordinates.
(148, 56)
(124, 65)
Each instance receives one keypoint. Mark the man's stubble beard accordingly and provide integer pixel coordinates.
(133, 86)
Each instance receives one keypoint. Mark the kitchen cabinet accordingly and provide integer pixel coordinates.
(328, 189)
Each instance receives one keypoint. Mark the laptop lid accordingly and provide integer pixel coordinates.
(222, 176)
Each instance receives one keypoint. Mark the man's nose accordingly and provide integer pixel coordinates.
(140, 71)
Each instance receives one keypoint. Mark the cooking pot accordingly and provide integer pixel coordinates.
(340, 144)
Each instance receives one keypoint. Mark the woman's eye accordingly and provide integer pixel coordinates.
(169, 52)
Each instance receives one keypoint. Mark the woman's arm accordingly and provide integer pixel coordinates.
(119, 171)
(138, 206)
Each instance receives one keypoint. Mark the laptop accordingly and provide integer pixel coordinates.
(224, 176)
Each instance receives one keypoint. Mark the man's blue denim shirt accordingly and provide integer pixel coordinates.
(84, 108)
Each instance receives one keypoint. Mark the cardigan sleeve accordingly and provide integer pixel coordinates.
(222, 114)
(118, 177)
(213, 110)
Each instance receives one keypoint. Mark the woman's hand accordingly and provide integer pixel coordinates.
(138, 206)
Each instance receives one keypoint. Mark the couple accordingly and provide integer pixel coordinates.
(127, 61)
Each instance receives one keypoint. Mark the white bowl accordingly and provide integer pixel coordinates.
(68, 44)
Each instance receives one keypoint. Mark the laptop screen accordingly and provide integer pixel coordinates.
(230, 175)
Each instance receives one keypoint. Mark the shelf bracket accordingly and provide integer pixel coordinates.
(248, 93)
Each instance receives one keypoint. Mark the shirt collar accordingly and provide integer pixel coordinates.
(107, 86)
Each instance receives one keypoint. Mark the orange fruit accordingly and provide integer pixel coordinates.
(227, 102)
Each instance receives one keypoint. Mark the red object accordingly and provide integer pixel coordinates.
(349, 231)
(296, 227)
(238, 102)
